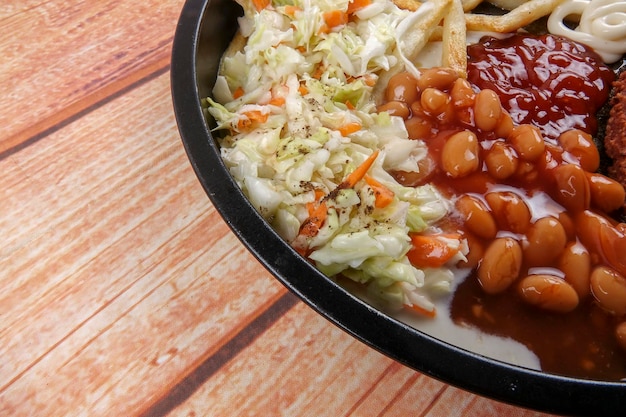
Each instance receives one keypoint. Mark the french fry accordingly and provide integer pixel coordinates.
(507, 4)
(517, 18)
(454, 39)
(469, 5)
(413, 42)
(411, 5)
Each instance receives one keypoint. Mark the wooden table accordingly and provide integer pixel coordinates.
(123, 292)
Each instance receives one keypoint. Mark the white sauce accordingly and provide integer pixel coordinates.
(442, 327)
(601, 25)
(469, 338)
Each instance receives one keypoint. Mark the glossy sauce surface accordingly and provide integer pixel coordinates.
(537, 227)
(545, 80)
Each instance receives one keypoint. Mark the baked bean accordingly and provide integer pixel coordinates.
(568, 224)
(527, 141)
(609, 289)
(545, 242)
(500, 266)
(476, 217)
(459, 155)
(475, 252)
(487, 110)
(510, 211)
(439, 78)
(396, 108)
(402, 87)
(575, 263)
(581, 148)
(602, 238)
(505, 125)
(606, 194)
(572, 189)
(620, 335)
(418, 128)
(434, 101)
(461, 94)
(501, 160)
(526, 172)
(548, 292)
(426, 168)
(589, 226)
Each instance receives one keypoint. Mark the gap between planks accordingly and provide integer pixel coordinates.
(82, 107)
(233, 345)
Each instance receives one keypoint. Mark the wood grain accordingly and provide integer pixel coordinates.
(133, 264)
(123, 291)
(70, 55)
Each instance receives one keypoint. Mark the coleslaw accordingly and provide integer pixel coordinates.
(303, 139)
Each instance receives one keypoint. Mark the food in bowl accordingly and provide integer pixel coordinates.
(321, 131)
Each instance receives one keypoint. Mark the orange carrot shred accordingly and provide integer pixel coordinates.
(358, 174)
(260, 4)
(277, 101)
(428, 313)
(311, 226)
(303, 90)
(384, 196)
(238, 92)
(291, 10)
(430, 251)
(355, 5)
(335, 18)
(252, 116)
(350, 128)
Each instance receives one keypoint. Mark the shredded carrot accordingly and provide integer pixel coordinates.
(430, 251)
(303, 90)
(319, 194)
(355, 5)
(349, 105)
(260, 4)
(349, 128)
(335, 18)
(238, 92)
(291, 10)
(277, 101)
(318, 212)
(428, 313)
(319, 71)
(323, 29)
(358, 174)
(252, 116)
(317, 215)
(384, 196)
(369, 80)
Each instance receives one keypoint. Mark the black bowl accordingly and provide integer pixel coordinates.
(204, 30)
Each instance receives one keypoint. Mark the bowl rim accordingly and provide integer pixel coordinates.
(466, 370)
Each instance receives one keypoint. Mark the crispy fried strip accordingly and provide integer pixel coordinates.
(413, 42)
(469, 5)
(411, 5)
(455, 39)
(513, 20)
(507, 4)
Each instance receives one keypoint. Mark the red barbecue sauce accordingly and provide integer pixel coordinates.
(547, 80)
(539, 82)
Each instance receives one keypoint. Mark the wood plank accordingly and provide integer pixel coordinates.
(305, 366)
(73, 54)
(297, 367)
(128, 274)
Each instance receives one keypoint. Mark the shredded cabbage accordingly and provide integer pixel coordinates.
(282, 103)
